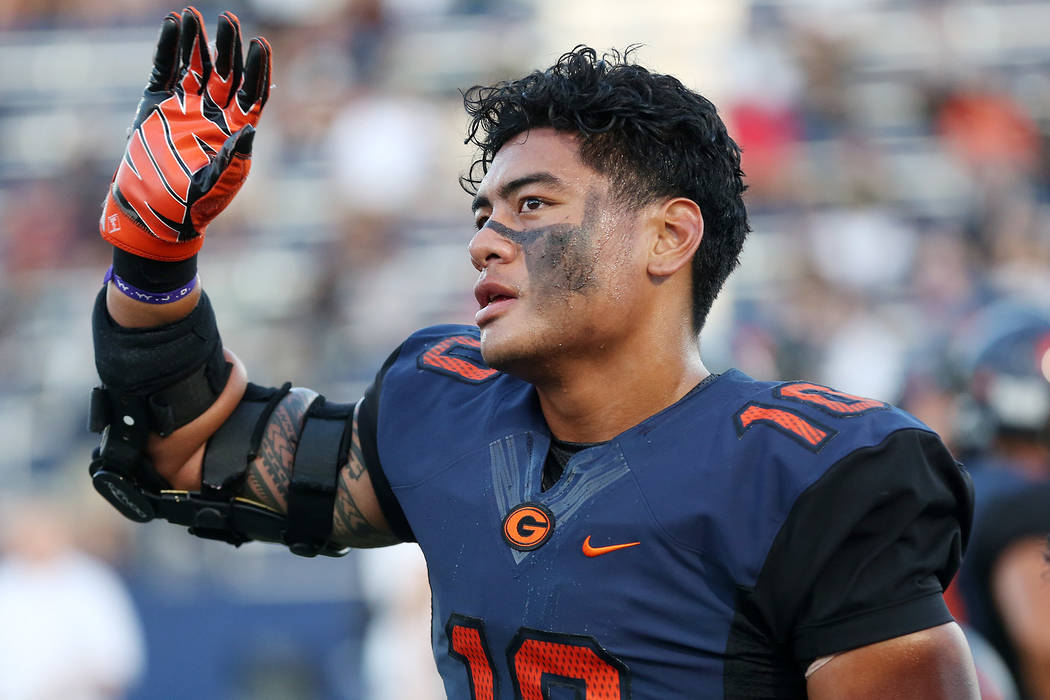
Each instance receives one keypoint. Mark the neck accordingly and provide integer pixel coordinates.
(595, 398)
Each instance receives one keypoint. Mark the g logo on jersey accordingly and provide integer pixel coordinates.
(528, 526)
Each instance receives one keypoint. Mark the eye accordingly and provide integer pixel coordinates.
(529, 204)
(480, 221)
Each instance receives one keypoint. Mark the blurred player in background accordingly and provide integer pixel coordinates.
(1004, 355)
(68, 628)
(601, 516)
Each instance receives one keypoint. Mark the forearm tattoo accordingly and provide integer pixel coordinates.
(351, 527)
(269, 474)
(356, 464)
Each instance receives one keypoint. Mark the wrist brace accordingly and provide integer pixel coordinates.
(176, 370)
(155, 379)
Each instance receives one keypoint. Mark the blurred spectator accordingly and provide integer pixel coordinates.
(69, 630)
(398, 660)
(987, 129)
(1005, 423)
(382, 152)
(762, 114)
(46, 226)
(993, 677)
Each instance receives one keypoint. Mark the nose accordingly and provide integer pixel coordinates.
(487, 247)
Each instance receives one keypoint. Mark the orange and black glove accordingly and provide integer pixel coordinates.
(189, 149)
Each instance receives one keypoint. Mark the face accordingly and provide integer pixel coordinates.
(560, 261)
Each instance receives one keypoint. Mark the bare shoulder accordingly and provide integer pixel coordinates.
(933, 663)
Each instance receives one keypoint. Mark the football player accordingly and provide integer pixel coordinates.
(602, 517)
(1005, 359)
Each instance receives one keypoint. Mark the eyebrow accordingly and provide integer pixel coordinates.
(508, 188)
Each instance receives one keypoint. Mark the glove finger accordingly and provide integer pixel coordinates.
(196, 56)
(166, 57)
(237, 145)
(218, 183)
(229, 62)
(243, 140)
(256, 88)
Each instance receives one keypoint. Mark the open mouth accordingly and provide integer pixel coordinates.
(492, 292)
(493, 298)
(496, 298)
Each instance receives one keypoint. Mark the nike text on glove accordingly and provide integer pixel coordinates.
(189, 149)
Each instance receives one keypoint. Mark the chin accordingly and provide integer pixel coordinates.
(512, 355)
(494, 349)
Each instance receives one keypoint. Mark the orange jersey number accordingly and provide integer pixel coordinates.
(808, 432)
(537, 657)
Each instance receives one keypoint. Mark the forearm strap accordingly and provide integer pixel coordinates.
(322, 451)
(235, 445)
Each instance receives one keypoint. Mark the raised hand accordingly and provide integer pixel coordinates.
(189, 149)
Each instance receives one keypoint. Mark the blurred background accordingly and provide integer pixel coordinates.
(899, 171)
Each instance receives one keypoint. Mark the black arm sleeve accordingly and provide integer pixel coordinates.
(367, 432)
(863, 557)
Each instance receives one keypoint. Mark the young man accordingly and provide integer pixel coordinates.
(601, 516)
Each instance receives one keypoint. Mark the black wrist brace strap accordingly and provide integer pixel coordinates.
(323, 450)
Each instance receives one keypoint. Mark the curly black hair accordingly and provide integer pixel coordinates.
(649, 134)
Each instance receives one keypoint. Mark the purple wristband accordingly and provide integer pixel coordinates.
(149, 297)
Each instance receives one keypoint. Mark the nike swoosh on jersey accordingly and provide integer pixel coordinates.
(598, 551)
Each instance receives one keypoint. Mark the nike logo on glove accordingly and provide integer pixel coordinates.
(598, 551)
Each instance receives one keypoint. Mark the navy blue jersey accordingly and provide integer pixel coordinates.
(713, 550)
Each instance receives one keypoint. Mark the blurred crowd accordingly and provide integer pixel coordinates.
(896, 151)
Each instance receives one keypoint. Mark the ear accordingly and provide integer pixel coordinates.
(680, 227)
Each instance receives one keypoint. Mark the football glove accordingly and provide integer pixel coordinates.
(189, 147)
